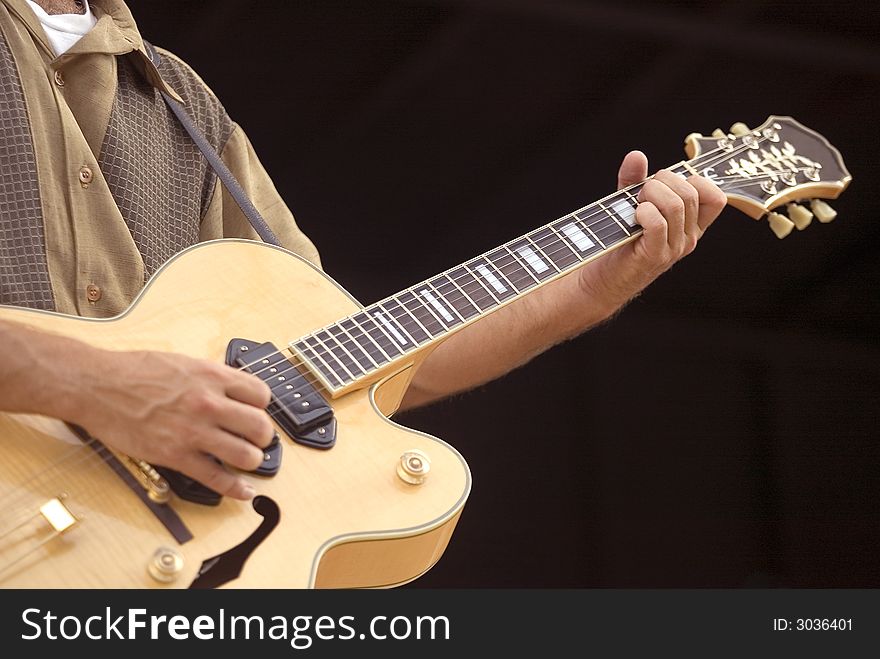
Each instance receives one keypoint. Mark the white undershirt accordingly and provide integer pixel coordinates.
(64, 30)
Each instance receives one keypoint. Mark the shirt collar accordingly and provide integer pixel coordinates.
(115, 33)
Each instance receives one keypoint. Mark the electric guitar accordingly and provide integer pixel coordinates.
(346, 497)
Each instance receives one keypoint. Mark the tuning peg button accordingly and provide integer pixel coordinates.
(720, 134)
(739, 129)
(823, 212)
(800, 215)
(780, 225)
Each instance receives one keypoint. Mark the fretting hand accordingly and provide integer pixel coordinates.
(673, 212)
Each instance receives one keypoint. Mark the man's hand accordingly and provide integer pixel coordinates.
(175, 411)
(169, 410)
(673, 213)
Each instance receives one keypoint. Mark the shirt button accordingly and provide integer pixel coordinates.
(93, 293)
(59, 79)
(85, 176)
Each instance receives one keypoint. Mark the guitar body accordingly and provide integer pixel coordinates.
(346, 518)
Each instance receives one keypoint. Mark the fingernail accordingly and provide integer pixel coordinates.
(248, 491)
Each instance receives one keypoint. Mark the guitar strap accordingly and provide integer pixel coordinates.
(226, 177)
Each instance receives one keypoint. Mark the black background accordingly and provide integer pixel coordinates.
(722, 431)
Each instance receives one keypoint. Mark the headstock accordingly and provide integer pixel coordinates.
(782, 162)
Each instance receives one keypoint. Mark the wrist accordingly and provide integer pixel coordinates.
(601, 295)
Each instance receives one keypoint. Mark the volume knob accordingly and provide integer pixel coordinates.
(165, 565)
(413, 467)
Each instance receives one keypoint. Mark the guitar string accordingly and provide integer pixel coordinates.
(102, 452)
(722, 153)
(30, 511)
(52, 470)
(413, 328)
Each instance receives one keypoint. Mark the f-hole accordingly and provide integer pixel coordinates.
(227, 566)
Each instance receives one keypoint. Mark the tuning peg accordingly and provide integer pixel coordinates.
(720, 134)
(800, 215)
(780, 225)
(739, 129)
(823, 212)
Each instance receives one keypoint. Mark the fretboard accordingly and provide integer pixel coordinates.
(382, 334)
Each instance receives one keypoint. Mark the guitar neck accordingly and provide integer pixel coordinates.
(376, 340)
(780, 161)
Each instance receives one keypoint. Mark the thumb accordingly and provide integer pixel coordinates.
(633, 169)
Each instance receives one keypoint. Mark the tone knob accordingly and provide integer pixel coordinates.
(413, 467)
(165, 565)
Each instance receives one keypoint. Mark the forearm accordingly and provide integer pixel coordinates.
(508, 338)
(40, 373)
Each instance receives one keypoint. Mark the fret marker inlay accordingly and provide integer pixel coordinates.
(626, 211)
(492, 279)
(378, 315)
(578, 237)
(425, 293)
(534, 261)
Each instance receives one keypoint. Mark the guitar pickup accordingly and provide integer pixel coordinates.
(297, 406)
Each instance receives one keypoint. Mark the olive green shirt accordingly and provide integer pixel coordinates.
(95, 267)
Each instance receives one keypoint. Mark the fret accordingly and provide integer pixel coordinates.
(379, 334)
(349, 343)
(340, 352)
(451, 277)
(540, 252)
(318, 363)
(419, 310)
(577, 237)
(582, 221)
(387, 322)
(682, 169)
(379, 337)
(602, 224)
(329, 358)
(492, 279)
(429, 295)
(625, 210)
(555, 248)
(506, 263)
(534, 263)
(409, 323)
(365, 342)
(614, 216)
(633, 199)
(454, 298)
(478, 292)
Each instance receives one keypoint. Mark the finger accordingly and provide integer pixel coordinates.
(247, 388)
(712, 200)
(689, 196)
(633, 169)
(245, 421)
(671, 207)
(207, 472)
(654, 230)
(232, 450)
